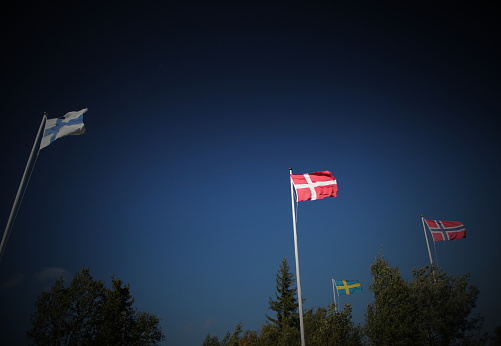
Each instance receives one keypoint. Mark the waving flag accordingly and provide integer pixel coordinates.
(69, 124)
(446, 230)
(345, 287)
(312, 186)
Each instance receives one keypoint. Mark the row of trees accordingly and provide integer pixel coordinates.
(88, 313)
(432, 309)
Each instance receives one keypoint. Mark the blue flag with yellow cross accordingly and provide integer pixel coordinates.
(345, 287)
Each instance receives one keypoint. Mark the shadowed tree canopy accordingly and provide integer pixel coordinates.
(285, 306)
(284, 328)
(88, 313)
(322, 326)
(433, 309)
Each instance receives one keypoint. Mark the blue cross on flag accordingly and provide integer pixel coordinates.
(69, 124)
(446, 230)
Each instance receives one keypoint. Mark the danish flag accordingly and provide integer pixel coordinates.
(312, 186)
(446, 230)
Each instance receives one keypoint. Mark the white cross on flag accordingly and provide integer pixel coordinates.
(312, 186)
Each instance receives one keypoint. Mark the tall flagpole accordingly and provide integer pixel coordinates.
(334, 294)
(427, 243)
(20, 190)
(298, 277)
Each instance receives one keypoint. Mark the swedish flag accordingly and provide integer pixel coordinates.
(348, 286)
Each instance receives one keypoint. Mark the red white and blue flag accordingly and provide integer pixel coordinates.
(312, 186)
(446, 230)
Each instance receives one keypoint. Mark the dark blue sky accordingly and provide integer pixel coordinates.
(180, 186)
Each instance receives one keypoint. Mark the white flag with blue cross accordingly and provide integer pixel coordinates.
(69, 124)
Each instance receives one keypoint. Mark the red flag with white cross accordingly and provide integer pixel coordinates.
(312, 186)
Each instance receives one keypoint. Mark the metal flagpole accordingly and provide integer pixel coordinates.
(298, 277)
(427, 243)
(15, 206)
(334, 293)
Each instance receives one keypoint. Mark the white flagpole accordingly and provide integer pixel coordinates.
(427, 243)
(298, 277)
(334, 293)
(20, 190)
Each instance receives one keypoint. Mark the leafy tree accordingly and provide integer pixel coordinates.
(211, 341)
(228, 340)
(444, 304)
(433, 309)
(87, 313)
(328, 327)
(496, 339)
(322, 326)
(250, 338)
(390, 319)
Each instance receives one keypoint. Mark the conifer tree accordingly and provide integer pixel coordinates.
(283, 329)
(285, 306)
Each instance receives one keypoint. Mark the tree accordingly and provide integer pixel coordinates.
(322, 326)
(284, 328)
(228, 340)
(390, 319)
(285, 305)
(444, 305)
(432, 309)
(86, 312)
(496, 339)
(250, 338)
(328, 327)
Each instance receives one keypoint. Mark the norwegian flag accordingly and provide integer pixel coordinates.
(312, 186)
(446, 230)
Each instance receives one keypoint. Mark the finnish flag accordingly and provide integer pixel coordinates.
(69, 124)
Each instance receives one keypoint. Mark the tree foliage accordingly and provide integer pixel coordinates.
(322, 326)
(331, 327)
(496, 339)
(88, 313)
(228, 340)
(444, 305)
(283, 329)
(390, 318)
(432, 309)
(285, 306)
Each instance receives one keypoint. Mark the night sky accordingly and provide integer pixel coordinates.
(180, 186)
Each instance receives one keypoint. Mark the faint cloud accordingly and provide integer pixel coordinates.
(13, 281)
(188, 327)
(209, 322)
(51, 274)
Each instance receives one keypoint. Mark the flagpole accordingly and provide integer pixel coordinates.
(20, 190)
(427, 243)
(334, 294)
(298, 277)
